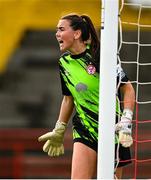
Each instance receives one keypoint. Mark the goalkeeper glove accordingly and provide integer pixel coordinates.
(124, 128)
(54, 140)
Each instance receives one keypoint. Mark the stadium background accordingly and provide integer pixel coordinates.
(30, 92)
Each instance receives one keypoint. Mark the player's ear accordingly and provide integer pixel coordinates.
(77, 34)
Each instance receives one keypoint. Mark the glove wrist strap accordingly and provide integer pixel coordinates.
(127, 113)
(62, 123)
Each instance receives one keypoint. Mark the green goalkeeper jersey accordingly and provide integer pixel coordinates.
(80, 79)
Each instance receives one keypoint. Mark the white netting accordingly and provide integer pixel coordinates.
(134, 55)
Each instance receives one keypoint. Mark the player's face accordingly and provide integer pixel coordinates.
(65, 35)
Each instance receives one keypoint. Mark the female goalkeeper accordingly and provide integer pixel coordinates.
(79, 72)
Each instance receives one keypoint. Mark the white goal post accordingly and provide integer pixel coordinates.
(107, 95)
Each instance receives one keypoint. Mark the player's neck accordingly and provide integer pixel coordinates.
(78, 48)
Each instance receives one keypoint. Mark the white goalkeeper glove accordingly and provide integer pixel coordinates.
(124, 128)
(54, 140)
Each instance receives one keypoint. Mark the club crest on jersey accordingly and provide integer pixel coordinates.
(91, 69)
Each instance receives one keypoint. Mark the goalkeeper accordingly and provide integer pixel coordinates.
(79, 72)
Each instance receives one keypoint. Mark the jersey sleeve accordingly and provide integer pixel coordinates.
(121, 76)
(65, 90)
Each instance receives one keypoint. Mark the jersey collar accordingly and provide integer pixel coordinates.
(77, 56)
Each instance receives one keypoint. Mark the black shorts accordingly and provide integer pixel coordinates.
(123, 153)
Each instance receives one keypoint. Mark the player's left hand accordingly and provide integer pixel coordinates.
(124, 129)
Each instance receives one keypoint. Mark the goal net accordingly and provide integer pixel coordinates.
(135, 57)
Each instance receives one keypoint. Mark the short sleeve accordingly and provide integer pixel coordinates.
(65, 90)
(121, 76)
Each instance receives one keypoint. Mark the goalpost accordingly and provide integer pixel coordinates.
(107, 101)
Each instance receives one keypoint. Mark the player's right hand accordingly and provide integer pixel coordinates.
(124, 128)
(54, 140)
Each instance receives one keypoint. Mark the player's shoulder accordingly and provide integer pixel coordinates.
(65, 54)
(64, 57)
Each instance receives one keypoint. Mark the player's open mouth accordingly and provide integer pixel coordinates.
(60, 42)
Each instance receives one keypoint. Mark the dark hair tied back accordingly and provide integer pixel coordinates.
(86, 26)
(77, 22)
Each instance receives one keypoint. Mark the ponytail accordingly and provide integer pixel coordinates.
(95, 43)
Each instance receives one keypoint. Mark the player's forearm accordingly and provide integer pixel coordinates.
(66, 109)
(128, 96)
